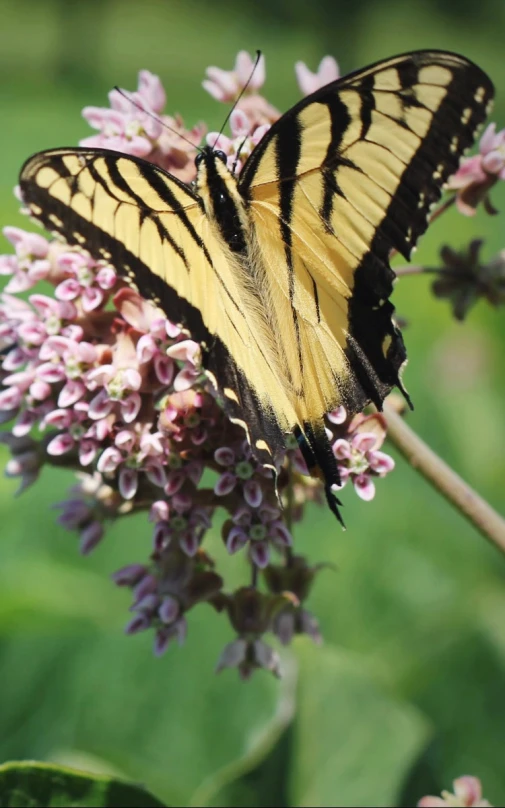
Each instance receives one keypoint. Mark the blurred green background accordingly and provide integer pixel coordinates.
(409, 690)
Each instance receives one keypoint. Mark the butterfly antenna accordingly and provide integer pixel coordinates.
(244, 88)
(234, 167)
(156, 117)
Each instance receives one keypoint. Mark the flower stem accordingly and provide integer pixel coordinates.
(289, 511)
(487, 521)
(417, 270)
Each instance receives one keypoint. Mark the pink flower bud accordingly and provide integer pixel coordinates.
(71, 392)
(140, 622)
(125, 440)
(342, 449)
(87, 452)
(106, 278)
(68, 289)
(337, 416)
(129, 575)
(109, 460)
(159, 510)
(260, 553)
(151, 88)
(128, 482)
(169, 609)
(364, 441)
(381, 462)
(100, 405)
(253, 493)
(51, 373)
(24, 423)
(61, 419)
(145, 586)
(225, 484)
(156, 474)
(224, 456)
(310, 82)
(10, 398)
(189, 544)
(130, 407)
(162, 535)
(364, 487)
(175, 481)
(164, 369)
(90, 537)
(60, 445)
(40, 390)
(92, 298)
(280, 534)
(146, 348)
(236, 539)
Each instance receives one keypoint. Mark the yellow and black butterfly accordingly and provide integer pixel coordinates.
(282, 272)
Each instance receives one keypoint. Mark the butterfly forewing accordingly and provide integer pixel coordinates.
(347, 175)
(153, 230)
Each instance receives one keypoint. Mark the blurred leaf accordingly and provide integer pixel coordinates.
(265, 786)
(37, 784)
(354, 744)
(460, 685)
(170, 723)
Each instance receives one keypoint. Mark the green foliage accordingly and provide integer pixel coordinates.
(36, 785)
(408, 691)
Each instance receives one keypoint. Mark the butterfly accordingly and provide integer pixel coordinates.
(282, 272)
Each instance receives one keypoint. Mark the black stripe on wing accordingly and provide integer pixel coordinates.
(240, 400)
(288, 147)
(375, 346)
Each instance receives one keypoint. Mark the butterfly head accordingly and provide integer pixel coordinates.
(209, 151)
(213, 175)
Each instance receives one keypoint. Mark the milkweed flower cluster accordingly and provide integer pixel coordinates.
(467, 794)
(95, 379)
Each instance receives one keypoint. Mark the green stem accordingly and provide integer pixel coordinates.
(487, 521)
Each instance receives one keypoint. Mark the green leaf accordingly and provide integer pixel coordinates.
(354, 743)
(30, 785)
(171, 723)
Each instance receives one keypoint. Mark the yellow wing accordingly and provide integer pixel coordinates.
(344, 177)
(153, 230)
(285, 277)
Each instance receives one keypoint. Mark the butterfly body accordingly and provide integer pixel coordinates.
(282, 272)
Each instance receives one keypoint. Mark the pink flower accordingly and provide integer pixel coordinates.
(258, 525)
(85, 280)
(238, 464)
(176, 147)
(131, 125)
(309, 82)
(245, 138)
(467, 794)
(30, 264)
(226, 85)
(134, 125)
(358, 455)
(476, 175)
